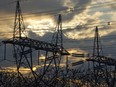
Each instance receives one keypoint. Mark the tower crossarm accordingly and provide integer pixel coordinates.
(104, 60)
(36, 44)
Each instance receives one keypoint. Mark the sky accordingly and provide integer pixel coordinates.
(80, 17)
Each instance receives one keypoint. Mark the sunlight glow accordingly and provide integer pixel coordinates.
(41, 25)
(14, 69)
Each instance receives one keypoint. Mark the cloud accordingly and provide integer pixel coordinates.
(69, 3)
(114, 16)
(80, 32)
(35, 20)
(6, 25)
(75, 28)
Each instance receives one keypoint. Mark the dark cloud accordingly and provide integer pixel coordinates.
(6, 7)
(42, 5)
(33, 35)
(108, 43)
(30, 6)
(79, 7)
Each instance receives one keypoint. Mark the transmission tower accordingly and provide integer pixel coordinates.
(22, 54)
(104, 68)
(19, 26)
(58, 41)
(53, 59)
(100, 64)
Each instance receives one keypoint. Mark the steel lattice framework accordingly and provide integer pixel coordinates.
(51, 74)
(101, 73)
(23, 47)
(36, 44)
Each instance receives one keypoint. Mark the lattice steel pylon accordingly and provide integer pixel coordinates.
(22, 54)
(53, 59)
(57, 39)
(104, 68)
(99, 68)
(19, 26)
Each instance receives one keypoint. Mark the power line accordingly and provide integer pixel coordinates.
(102, 38)
(98, 5)
(52, 11)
